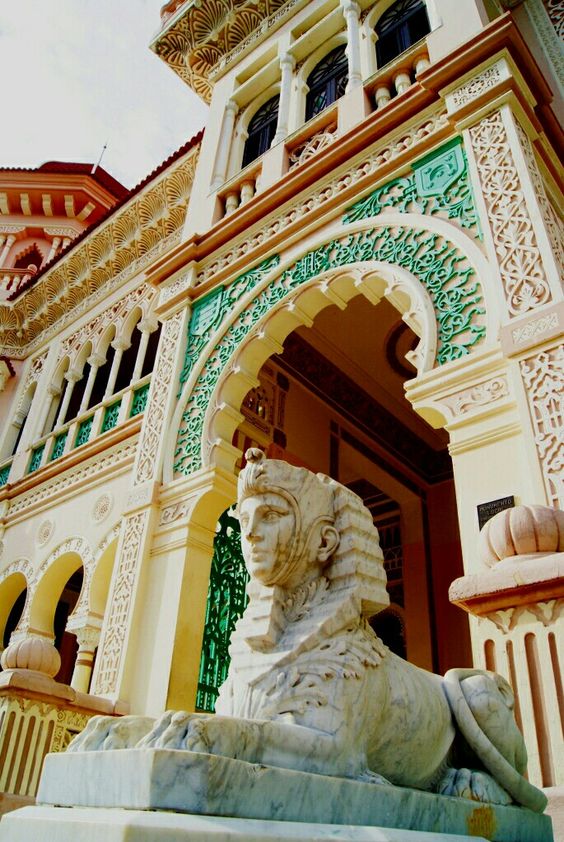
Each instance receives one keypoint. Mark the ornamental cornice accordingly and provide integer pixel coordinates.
(200, 40)
(115, 250)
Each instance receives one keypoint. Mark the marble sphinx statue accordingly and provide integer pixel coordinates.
(311, 687)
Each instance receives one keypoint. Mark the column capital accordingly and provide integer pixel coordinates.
(73, 376)
(148, 325)
(350, 6)
(287, 60)
(231, 107)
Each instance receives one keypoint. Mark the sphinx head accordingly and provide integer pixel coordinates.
(286, 517)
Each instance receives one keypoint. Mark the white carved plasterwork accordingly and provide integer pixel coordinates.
(154, 417)
(130, 239)
(113, 639)
(536, 327)
(44, 533)
(171, 290)
(546, 613)
(475, 87)
(140, 296)
(553, 223)
(53, 488)
(174, 512)
(519, 257)
(33, 375)
(102, 507)
(411, 139)
(543, 376)
(20, 565)
(548, 21)
(312, 146)
(478, 396)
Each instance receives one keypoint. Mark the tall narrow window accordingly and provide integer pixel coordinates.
(327, 81)
(261, 131)
(404, 24)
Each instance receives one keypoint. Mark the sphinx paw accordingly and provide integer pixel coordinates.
(476, 786)
(369, 777)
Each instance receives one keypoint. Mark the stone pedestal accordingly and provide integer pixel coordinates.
(104, 787)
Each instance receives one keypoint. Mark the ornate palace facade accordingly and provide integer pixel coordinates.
(356, 267)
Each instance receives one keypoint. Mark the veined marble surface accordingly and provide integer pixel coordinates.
(160, 779)
(59, 824)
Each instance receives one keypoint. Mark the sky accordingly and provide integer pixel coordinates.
(77, 74)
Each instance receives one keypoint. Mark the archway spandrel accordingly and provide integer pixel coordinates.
(443, 283)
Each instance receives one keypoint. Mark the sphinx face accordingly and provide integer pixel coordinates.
(267, 532)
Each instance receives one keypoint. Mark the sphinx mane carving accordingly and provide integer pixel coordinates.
(312, 688)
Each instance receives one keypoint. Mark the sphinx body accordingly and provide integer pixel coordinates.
(311, 687)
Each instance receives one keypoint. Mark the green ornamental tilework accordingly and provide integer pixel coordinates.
(435, 261)
(4, 473)
(208, 312)
(83, 432)
(35, 461)
(111, 414)
(59, 445)
(227, 599)
(139, 400)
(438, 185)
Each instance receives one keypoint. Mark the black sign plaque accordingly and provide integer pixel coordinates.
(487, 510)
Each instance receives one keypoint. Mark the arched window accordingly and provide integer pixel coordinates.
(404, 24)
(327, 81)
(261, 131)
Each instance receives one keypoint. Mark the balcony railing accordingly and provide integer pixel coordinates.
(12, 279)
(100, 419)
(241, 189)
(398, 76)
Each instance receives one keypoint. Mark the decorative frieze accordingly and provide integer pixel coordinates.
(478, 396)
(543, 377)
(131, 238)
(53, 488)
(523, 334)
(476, 86)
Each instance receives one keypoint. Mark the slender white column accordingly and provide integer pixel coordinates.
(10, 240)
(287, 65)
(120, 346)
(146, 326)
(71, 377)
(88, 639)
(54, 248)
(220, 170)
(351, 12)
(94, 361)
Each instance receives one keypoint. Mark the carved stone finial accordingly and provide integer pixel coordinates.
(521, 531)
(32, 653)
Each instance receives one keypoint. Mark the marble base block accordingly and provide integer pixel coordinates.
(159, 779)
(85, 824)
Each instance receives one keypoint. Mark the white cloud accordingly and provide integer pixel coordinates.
(79, 73)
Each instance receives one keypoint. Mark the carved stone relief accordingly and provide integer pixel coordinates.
(520, 261)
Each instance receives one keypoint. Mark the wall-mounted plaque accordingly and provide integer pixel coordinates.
(487, 510)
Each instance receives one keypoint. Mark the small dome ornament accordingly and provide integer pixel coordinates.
(32, 653)
(522, 531)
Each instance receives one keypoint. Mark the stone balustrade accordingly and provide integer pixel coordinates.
(398, 76)
(240, 190)
(12, 279)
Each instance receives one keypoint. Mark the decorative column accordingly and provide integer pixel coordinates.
(54, 248)
(88, 638)
(71, 377)
(119, 346)
(118, 672)
(287, 65)
(146, 326)
(351, 12)
(225, 138)
(94, 361)
(10, 240)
